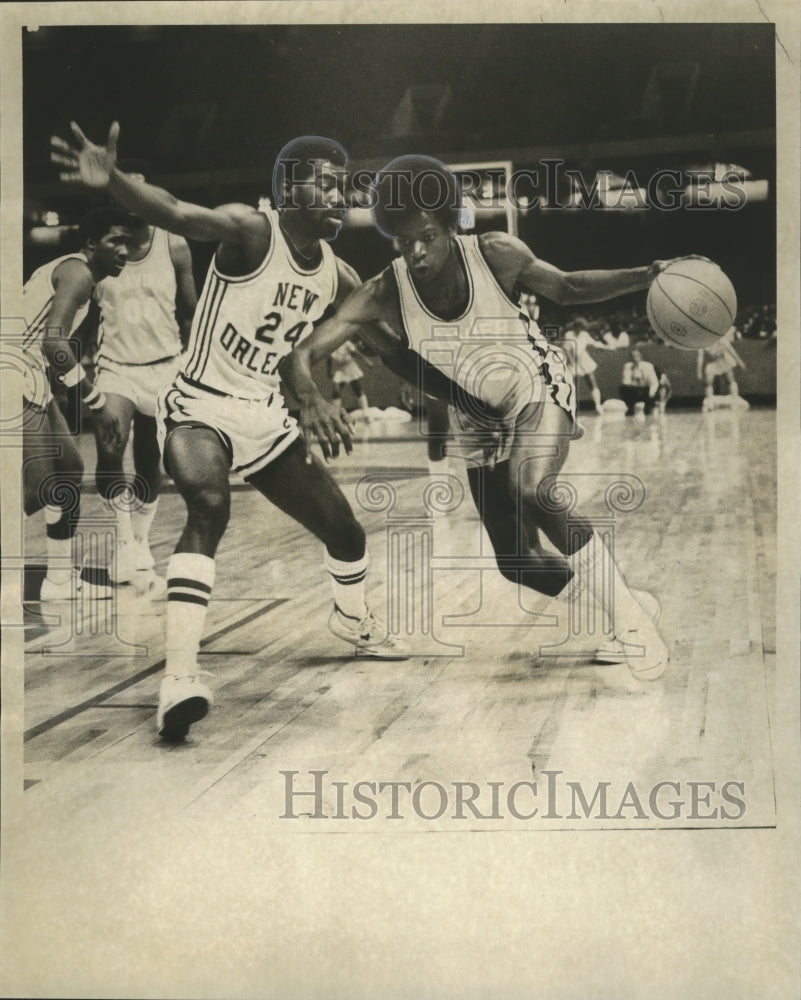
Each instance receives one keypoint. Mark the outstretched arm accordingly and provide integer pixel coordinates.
(88, 163)
(515, 265)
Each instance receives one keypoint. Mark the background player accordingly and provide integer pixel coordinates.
(528, 397)
(343, 369)
(146, 315)
(272, 278)
(55, 301)
(720, 360)
(576, 339)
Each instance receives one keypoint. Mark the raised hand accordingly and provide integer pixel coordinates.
(85, 162)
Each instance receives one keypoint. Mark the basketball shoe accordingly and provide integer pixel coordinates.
(368, 635)
(182, 701)
(73, 589)
(641, 647)
(122, 568)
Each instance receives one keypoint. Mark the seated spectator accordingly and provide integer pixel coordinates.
(640, 383)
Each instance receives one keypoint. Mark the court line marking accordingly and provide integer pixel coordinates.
(97, 699)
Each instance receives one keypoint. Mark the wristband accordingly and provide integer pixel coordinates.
(95, 400)
(71, 378)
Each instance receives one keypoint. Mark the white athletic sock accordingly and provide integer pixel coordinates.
(596, 570)
(142, 519)
(117, 508)
(190, 577)
(59, 549)
(596, 398)
(348, 579)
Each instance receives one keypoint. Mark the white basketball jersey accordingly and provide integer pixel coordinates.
(37, 298)
(491, 335)
(244, 326)
(137, 321)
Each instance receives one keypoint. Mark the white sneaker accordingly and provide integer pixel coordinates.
(369, 635)
(182, 701)
(123, 566)
(150, 585)
(621, 649)
(143, 555)
(74, 589)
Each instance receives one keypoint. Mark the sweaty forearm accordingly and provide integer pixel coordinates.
(598, 286)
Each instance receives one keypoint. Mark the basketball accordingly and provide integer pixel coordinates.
(691, 304)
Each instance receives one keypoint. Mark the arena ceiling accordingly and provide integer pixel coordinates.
(226, 99)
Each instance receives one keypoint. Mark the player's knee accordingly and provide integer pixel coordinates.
(537, 499)
(109, 458)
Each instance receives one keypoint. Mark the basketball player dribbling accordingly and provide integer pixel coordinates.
(462, 292)
(145, 318)
(272, 278)
(55, 301)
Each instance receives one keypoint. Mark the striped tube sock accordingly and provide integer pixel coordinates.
(60, 529)
(348, 582)
(190, 577)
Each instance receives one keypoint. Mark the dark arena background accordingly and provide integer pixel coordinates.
(692, 104)
(601, 146)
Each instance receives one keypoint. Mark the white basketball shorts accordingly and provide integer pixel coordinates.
(141, 384)
(254, 432)
(515, 383)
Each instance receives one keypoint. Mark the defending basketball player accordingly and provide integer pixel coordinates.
(56, 300)
(461, 293)
(272, 278)
(145, 319)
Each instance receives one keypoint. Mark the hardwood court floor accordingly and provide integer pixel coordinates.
(479, 703)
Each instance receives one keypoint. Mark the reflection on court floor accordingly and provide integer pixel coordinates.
(501, 689)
